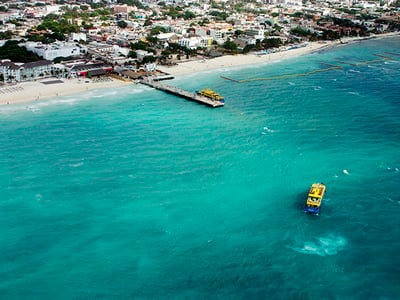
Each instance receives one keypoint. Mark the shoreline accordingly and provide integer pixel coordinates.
(228, 61)
(30, 91)
(26, 92)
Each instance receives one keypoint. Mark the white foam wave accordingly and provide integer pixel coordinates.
(76, 165)
(32, 108)
(268, 130)
(292, 83)
(317, 88)
(69, 100)
(136, 91)
(354, 93)
(346, 172)
(323, 246)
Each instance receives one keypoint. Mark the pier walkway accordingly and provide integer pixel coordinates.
(181, 93)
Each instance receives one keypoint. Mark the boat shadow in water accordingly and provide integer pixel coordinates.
(300, 201)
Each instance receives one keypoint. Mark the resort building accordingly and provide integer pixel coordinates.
(51, 51)
(89, 69)
(17, 72)
(195, 42)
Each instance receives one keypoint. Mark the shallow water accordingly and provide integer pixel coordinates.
(133, 193)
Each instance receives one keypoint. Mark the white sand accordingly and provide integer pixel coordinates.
(238, 60)
(36, 90)
(248, 59)
(31, 91)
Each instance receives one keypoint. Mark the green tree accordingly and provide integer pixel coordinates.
(188, 15)
(15, 53)
(299, 31)
(229, 45)
(152, 40)
(6, 35)
(88, 26)
(219, 15)
(148, 22)
(136, 3)
(238, 32)
(166, 52)
(204, 21)
(272, 43)
(157, 29)
(132, 54)
(122, 24)
(149, 59)
(139, 46)
(248, 48)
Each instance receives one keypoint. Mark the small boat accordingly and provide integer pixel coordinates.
(211, 94)
(314, 198)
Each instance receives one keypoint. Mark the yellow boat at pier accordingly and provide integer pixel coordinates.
(211, 94)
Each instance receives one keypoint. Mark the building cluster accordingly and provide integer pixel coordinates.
(19, 72)
(106, 30)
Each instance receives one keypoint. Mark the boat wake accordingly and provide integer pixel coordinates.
(268, 130)
(76, 165)
(323, 246)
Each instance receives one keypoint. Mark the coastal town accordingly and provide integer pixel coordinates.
(129, 38)
(199, 149)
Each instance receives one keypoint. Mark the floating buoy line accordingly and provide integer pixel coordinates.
(331, 67)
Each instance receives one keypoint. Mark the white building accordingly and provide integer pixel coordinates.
(16, 72)
(140, 54)
(78, 36)
(195, 41)
(286, 2)
(51, 51)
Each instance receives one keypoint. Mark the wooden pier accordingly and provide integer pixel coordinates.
(181, 93)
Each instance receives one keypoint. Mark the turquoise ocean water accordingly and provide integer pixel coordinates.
(131, 193)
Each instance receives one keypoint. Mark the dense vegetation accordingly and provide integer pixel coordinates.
(56, 25)
(219, 15)
(136, 3)
(15, 53)
(6, 35)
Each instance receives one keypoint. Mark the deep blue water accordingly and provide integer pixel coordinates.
(131, 193)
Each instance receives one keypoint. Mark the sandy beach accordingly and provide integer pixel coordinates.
(252, 58)
(50, 88)
(240, 59)
(54, 87)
